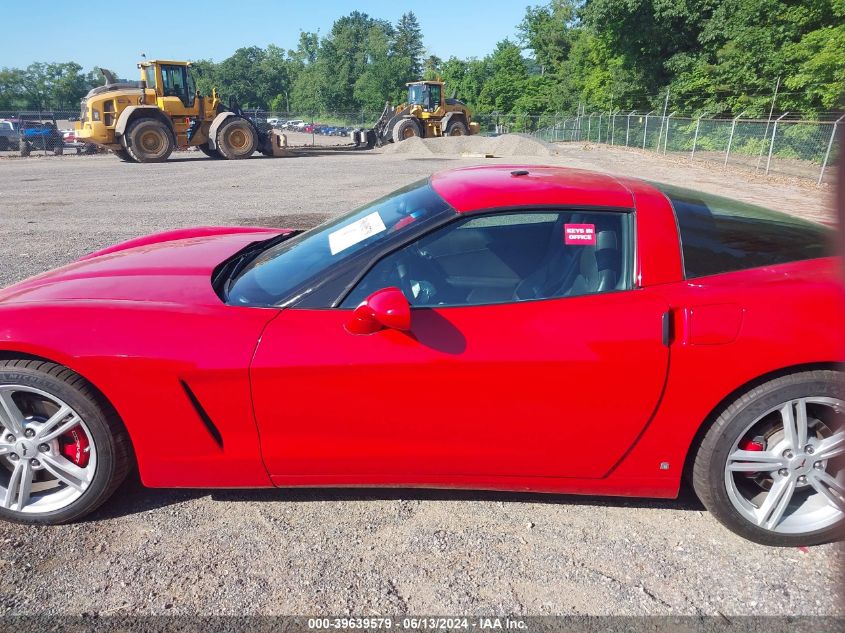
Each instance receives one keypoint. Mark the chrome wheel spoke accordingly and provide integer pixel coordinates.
(794, 415)
(11, 417)
(827, 485)
(830, 447)
(66, 472)
(771, 511)
(20, 486)
(754, 461)
(5, 449)
(57, 425)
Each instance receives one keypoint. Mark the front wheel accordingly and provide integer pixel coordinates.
(457, 128)
(63, 451)
(771, 467)
(236, 138)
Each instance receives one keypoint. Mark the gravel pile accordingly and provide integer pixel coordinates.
(506, 145)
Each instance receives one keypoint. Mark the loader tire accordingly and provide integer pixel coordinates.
(236, 138)
(211, 153)
(148, 141)
(457, 128)
(404, 129)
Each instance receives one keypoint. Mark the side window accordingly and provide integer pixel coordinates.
(720, 235)
(150, 74)
(507, 257)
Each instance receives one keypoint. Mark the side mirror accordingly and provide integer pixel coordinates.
(385, 308)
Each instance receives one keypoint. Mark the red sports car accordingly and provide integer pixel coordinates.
(505, 327)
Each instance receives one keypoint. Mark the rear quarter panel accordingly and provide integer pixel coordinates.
(730, 331)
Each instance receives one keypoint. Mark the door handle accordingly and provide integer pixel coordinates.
(667, 327)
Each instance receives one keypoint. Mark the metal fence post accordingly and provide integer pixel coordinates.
(589, 125)
(645, 128)
(612, 126)
(628, 127)
(731, 137)
(599, 134)
(695, 138)
(772, 146)
(829, 146)
(666, 136)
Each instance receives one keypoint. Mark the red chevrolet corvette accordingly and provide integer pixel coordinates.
(513, 328)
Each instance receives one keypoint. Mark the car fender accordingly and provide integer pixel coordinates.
(194, 427)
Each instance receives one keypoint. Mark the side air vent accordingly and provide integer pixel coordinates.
(213, 431)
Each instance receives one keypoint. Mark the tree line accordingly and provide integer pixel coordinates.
(714, 56)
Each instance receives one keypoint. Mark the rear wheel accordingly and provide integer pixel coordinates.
(63, 451)
(236, 138)
(148, 141)
(405, 129)
(771, 467)
(58, 147)
(25, 148)
(4, 143)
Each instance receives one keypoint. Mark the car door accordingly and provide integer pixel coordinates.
(493, 380)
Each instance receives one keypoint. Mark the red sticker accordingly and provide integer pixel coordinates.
(579, 234)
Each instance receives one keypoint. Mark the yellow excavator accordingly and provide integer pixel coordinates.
(145, 121)
(427, 113)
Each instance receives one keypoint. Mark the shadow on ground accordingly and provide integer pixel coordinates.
(133, 498)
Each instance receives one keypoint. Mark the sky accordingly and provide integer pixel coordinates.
(113, 34)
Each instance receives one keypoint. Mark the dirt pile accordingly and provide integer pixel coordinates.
(506, 145)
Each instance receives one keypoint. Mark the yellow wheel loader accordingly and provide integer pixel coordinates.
(427, 113)
(144, 122)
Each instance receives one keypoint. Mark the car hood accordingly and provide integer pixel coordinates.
(173, 267)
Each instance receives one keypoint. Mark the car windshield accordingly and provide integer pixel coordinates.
(287, 269)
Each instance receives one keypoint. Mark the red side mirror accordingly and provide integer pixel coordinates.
(385, 308)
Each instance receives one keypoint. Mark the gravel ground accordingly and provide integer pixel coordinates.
(365, 552)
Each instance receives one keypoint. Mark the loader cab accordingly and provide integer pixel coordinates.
(428, 94)
(170, 79)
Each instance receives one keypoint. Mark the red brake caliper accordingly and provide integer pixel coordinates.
(75, 446)
(751, 445)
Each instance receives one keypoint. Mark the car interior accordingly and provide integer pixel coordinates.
(504, 258)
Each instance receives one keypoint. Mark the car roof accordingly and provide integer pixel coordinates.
(468, 189)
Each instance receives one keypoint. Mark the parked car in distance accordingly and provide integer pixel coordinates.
(70, 142)
(38, 130)
(9, 135)
(527, 328)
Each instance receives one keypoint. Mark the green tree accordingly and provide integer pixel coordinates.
(408, 46)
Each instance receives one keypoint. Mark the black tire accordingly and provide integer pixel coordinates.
(4, 144)
(123, 155)
(457, 128)
(211, 153)
(58, 148)
(708, 470)
(405, 129)
(25, 148)
(148, 140)
(114, 453)
(236, 138)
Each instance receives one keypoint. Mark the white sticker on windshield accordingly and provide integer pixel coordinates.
(356, 232)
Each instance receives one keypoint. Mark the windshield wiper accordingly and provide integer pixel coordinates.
(229, 269)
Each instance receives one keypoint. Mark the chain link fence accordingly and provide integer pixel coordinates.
(803, 149)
